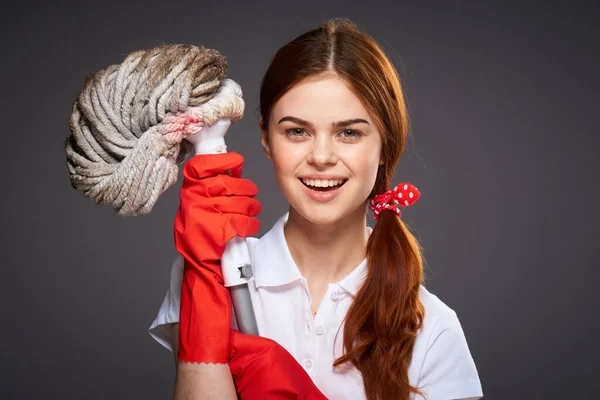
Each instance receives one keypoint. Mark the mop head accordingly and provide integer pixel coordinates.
(129, 123)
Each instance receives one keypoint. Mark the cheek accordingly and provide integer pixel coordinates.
(281, 161)
(363, 161)
(287, 157)
(285, 162)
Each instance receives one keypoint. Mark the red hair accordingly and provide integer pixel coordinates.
(381, 325)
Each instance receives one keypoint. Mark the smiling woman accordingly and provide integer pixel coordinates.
(334, 124)
(320, 130)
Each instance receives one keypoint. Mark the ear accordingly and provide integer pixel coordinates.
(264, 139)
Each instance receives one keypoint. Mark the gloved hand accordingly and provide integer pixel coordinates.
(214, 207)
(262, 369)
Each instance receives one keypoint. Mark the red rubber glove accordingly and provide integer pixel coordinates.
(214, 207)
(263, 369)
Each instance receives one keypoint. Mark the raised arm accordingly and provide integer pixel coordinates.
(214, 207)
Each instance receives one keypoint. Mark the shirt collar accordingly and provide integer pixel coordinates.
(277, 267)
(351, 283)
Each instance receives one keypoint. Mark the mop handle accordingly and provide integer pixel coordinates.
(235, 262)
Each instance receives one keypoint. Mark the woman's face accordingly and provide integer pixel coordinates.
(325, 149)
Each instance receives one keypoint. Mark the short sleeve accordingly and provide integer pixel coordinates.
(449, 371)
(168, 314)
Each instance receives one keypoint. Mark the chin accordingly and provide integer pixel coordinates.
(322, 219)
(322, 214)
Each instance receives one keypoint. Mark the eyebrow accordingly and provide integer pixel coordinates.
(337, 124)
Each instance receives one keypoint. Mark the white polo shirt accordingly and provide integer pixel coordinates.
(441, 364)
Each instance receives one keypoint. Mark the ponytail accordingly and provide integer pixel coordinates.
(382, 323)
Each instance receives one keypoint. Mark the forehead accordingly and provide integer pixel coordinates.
(320, 100)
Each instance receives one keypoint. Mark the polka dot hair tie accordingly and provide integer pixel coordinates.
(404, 194)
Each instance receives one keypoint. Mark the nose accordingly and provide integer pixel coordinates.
(322, 152)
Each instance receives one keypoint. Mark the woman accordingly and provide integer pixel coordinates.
(346, 301)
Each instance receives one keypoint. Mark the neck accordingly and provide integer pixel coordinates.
(327, 253)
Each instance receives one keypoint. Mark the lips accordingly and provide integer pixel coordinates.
(322, 194)
(323, 185)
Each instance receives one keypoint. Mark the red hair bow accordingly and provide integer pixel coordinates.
(404, 194)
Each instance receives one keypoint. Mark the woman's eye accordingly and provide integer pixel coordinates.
(351, 134)
(295, 132)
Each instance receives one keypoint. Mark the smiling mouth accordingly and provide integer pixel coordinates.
(327, 188)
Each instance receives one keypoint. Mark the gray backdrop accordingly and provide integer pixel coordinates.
(504, 107)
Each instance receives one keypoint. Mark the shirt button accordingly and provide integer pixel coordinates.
(320, 330)
(334, 296)
(307, 364)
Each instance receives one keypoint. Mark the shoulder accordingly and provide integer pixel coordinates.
(439, 317)
(439, 320)
(435, 309)
(252, 243)
(442, 362)
(269, 242)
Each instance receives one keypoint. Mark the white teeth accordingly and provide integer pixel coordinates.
(322, 183)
